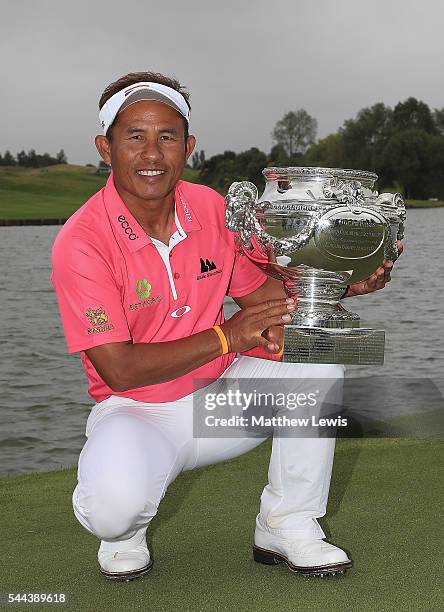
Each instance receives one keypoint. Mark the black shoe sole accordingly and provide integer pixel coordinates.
(128, 576)
(269, 557)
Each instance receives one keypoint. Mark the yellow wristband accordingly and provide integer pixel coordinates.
(222, 338)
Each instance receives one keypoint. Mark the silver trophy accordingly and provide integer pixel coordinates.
(319, 230)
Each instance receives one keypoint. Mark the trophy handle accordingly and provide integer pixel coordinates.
(242, 205)
(393, 208)
(392, 202)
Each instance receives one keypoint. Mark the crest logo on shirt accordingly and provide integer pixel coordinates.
(143, 289)
(98, 319)
(207, 268)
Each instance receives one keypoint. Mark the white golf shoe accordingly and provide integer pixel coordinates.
(125, 560)
(309, 557)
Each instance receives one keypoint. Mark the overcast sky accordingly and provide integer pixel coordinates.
(244, 62)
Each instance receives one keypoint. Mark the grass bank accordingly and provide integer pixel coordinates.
(384, 509)
(56, 192)
(52, 192)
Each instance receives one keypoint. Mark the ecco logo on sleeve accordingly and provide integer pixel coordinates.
(125, 226)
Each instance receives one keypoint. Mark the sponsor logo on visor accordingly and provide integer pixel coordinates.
(135, 88)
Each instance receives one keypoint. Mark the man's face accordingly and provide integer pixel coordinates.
(147, 151)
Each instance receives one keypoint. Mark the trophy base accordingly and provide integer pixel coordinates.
(357, 346)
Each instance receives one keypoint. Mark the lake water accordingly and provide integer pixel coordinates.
(44, 404)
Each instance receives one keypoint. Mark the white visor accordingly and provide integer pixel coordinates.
(142, 91)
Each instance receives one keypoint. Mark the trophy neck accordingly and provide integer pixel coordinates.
(317, 294)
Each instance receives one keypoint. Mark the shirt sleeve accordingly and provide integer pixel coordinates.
(246, 276)
(88, 295)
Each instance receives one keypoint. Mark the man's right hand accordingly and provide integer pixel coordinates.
(244, 330)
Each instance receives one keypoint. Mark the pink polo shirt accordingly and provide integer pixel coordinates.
(114, 283)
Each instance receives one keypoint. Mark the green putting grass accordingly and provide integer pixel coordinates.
(384, 509)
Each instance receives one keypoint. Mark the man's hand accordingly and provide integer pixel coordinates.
(275, 335)
(377, 280)
(245, 328)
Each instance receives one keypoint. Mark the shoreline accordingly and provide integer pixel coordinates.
(15, 222)
(61, 220)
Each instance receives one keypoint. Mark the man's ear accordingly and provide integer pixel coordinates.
(191, 143)
(104, 148)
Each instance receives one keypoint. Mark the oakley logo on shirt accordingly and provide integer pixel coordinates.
(180, 311)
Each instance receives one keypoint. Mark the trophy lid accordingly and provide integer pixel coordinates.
(309, 173)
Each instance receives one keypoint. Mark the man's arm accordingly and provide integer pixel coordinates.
(272, 289)
(123, 365)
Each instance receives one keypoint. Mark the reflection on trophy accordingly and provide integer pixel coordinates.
(319, 230)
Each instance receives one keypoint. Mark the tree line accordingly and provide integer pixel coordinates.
(404, 145)
(31, 159)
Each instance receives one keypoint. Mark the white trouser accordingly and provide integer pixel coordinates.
(135, 450)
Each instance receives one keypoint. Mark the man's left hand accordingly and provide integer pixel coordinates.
(377, 280)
